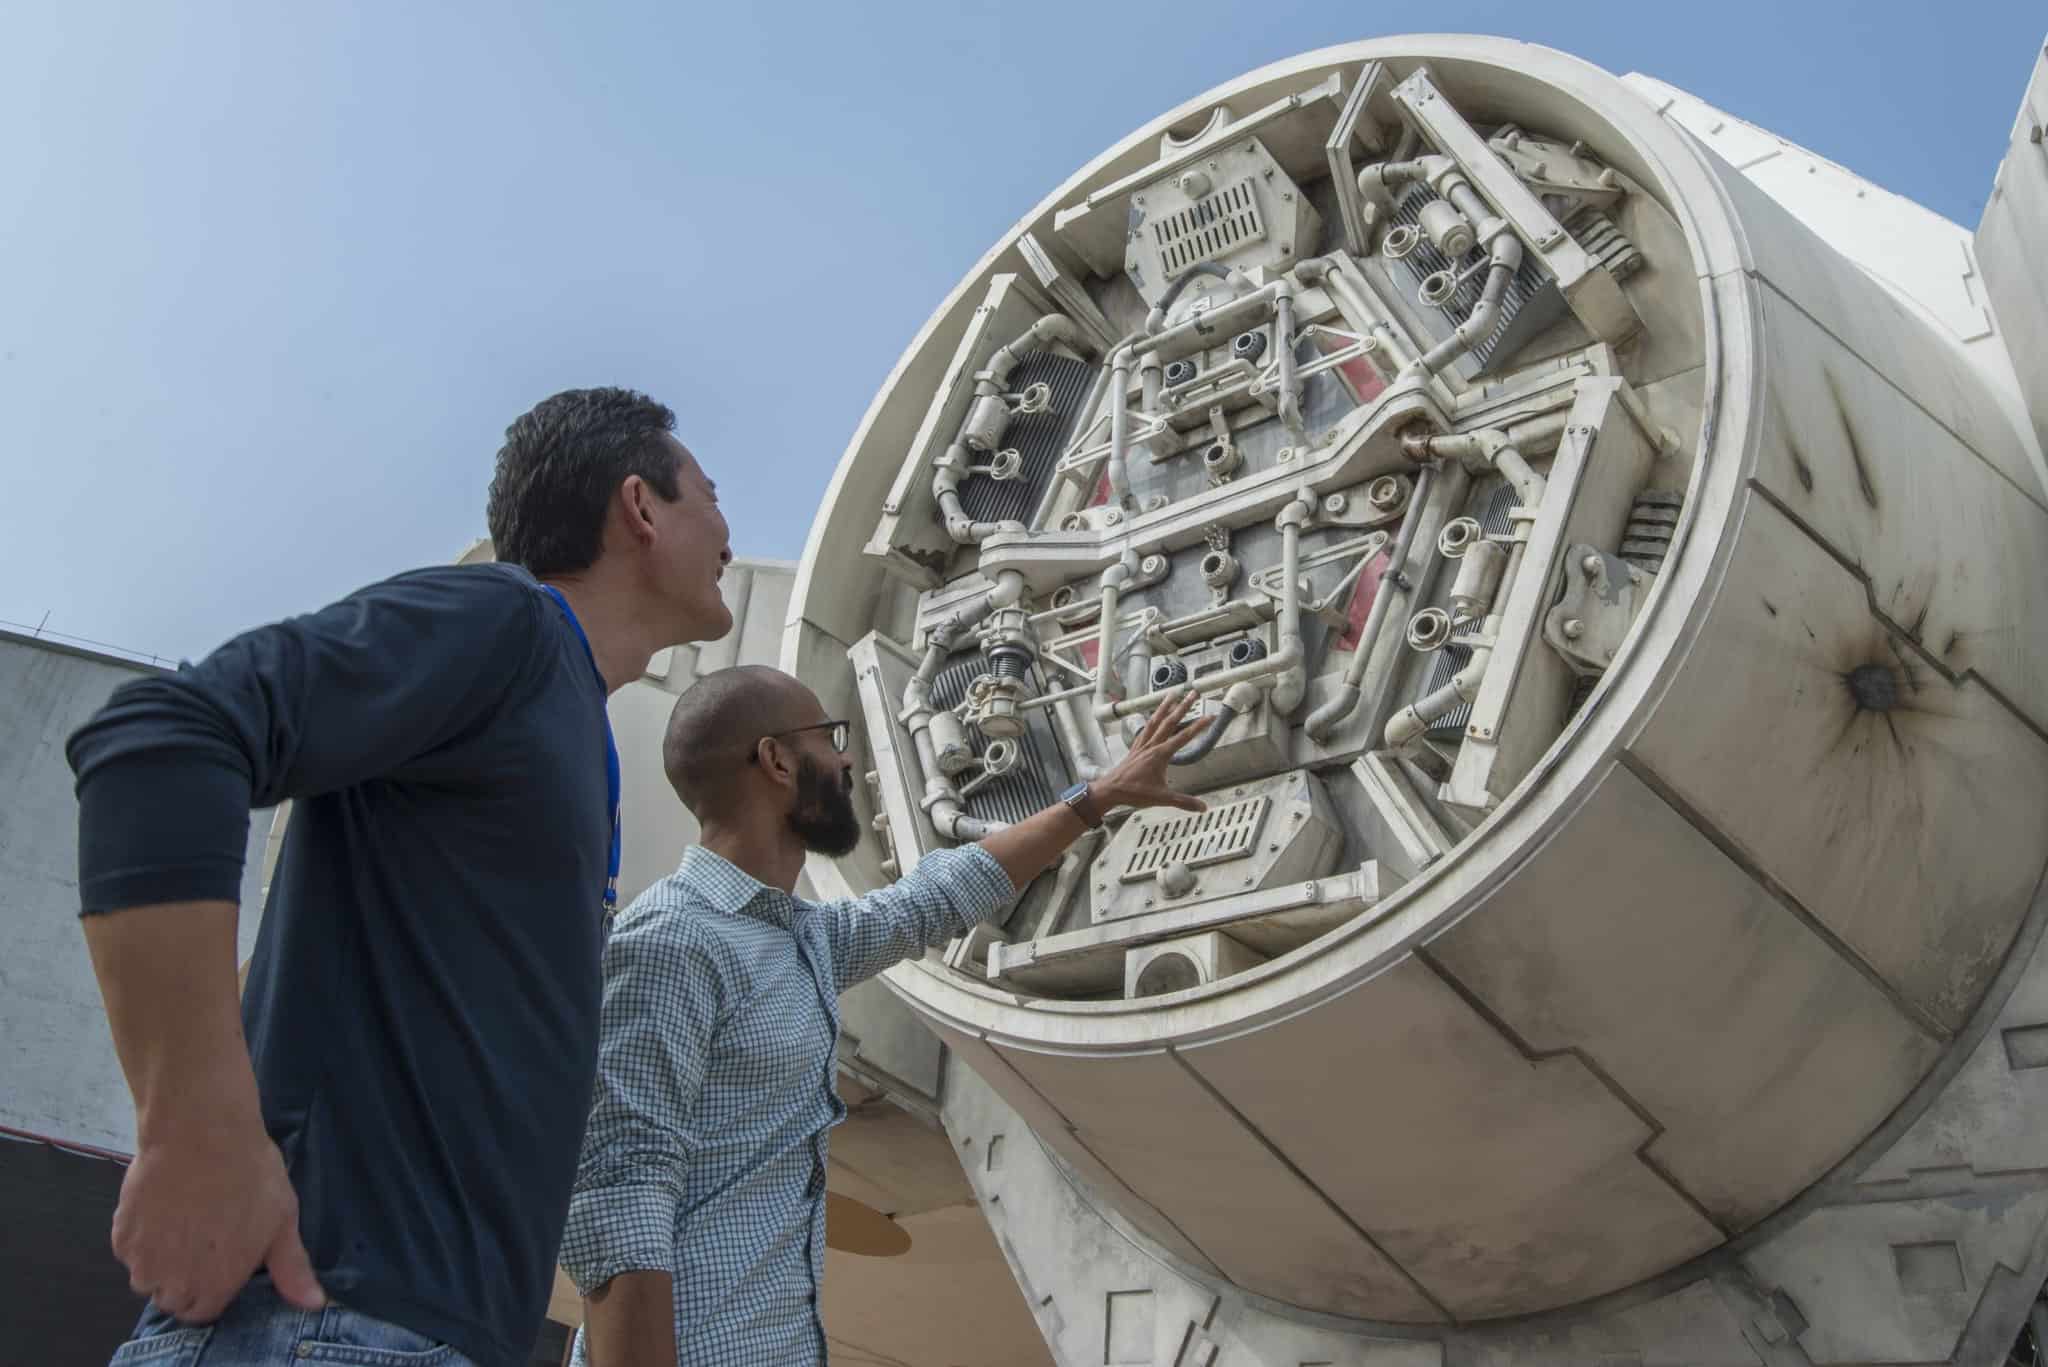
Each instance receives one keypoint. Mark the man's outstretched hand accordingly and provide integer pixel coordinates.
(1139, 778)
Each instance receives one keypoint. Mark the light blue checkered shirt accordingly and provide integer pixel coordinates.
(705, 1156)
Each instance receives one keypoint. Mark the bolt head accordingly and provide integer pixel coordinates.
(1591, 565)
(1335, 504)
(1574, 629)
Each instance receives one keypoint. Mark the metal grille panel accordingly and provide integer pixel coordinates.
(1424, 260)
(1038, 437)
(1025, 790)
(1215, 226)
(1228, 831)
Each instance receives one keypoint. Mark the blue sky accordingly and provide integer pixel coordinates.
(273, 278)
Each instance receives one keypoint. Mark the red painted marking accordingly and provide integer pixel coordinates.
(1365, 377)
(1362, 593)
(1101, 494)
(1091, 651)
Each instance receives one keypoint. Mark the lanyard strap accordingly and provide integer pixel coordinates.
(611, 754)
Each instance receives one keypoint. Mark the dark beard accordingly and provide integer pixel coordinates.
(824, 819)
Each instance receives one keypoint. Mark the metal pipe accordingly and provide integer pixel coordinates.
(1120, 427)
(1394, 584)
(1290, 386)
(1053, 327)
(1291, 683)
(1240, 285)
(1113, 580)
(1367, 316)
(1377, 181)
(1287, 657)
(1505, 258)
(1241, 698)
(1087, 761)
(1199, 332)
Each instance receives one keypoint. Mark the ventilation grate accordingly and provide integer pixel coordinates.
(1023, 791)
(1228, 831)
(1038, 437)
(1424, 260)
(1211, 227)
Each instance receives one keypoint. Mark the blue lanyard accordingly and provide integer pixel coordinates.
(611, 755)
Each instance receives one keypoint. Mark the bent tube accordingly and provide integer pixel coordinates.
(1241, 698)
(1053, 327)
(1505, 258)
(1239, 283)
(1198, 749)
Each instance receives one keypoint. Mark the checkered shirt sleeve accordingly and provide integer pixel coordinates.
(663, 1001)
(948, 893)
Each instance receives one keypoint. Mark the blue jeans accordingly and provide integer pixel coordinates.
(258, 1329)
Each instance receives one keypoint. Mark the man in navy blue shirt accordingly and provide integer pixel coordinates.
(371, 1157)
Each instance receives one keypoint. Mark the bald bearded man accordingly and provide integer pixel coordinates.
(697, 1230)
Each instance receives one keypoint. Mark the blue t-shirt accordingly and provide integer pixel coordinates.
(422, 1007)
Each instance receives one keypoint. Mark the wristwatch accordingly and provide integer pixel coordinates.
(1082, 804)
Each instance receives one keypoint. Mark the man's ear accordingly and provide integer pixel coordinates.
(777, 760)
(635, 501)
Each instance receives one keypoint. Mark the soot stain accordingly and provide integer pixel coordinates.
(1770, 607)
(1800, 469)
(1863, 482)
(1883, 686)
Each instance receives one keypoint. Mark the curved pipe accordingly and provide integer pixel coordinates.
(1505, 258)
(1394, 585)
(1377, 181)
(1241, 698)
(1053, 327)
(1198, 749)
(949, 471)
(1240, 285)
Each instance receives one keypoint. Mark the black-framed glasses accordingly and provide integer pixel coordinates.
(840, 733)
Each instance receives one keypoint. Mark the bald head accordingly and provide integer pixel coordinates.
(719, 720)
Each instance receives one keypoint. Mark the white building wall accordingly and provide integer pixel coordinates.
(58, 1074)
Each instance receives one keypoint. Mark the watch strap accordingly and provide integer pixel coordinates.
(1082, 803)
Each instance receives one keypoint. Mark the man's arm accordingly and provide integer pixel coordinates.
(952, 890)
(663, 1000)
(167, 772)
(205, 1170)
(630, 1321)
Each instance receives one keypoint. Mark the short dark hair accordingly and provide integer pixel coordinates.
(559, 467)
